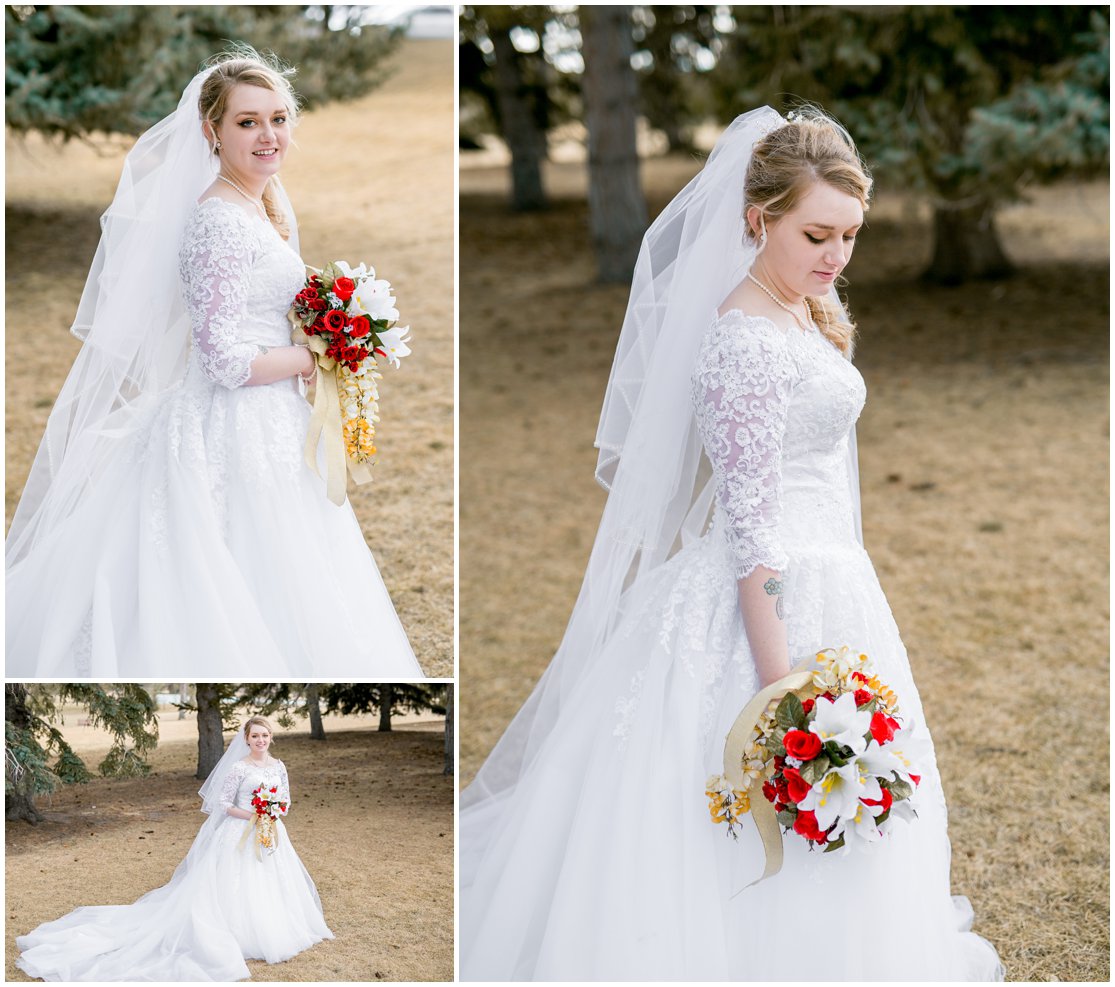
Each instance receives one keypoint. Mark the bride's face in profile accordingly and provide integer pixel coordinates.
(809, 246)
(259, 739)
(254, 133)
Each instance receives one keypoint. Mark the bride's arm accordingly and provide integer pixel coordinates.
(744, 380)
(217, 257)
(228, 794)
(281, 362)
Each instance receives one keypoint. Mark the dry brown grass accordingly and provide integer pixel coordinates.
(371, 818)
(984, 465)
(370, 180)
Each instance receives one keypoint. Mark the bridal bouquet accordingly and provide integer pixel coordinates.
(268, 807)
(837, 765)
(347, 316)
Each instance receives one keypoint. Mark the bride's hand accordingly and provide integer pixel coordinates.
(310, 363)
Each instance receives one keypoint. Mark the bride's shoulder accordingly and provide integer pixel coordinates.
(214, 212)
(737, 330)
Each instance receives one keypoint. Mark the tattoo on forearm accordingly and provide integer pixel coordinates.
(774, 588)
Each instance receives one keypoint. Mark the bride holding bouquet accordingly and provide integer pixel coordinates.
(171, 524)
(729, 555)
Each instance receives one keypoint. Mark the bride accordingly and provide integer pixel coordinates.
(586, 847)
(169, 524)
(229, 901)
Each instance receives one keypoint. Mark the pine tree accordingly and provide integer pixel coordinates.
(38, 760)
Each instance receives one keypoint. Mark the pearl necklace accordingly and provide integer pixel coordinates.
(781, 304)
(258, 203)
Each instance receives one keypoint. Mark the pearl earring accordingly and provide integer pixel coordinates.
(217, 146)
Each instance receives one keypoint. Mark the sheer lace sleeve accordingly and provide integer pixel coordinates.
(215, 266)
(231, 786)
(741, 391)
(284, 786)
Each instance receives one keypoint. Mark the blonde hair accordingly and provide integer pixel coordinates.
(812, 147)
(258, 721)
(243, 65)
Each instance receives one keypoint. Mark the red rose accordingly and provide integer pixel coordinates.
(361, 326)
(863, 697)
(801, 744)
(343, 288)
(274, 789)
(779, 762)
(779, 806)
(782, 790)
(796, 785)
(335, 320)
(859, 677)
(829, 696)
(882, 727)
(769, 791)
(886, 801)
(807, 705)
(317, 303)
(806, 825)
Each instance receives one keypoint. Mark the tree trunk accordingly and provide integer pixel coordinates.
(19, 803)
(450, 731)
(183, 698)
(617, 208)
(386, 701)
(210, 742)
(966, 246)
(313, 704)
(525, 139)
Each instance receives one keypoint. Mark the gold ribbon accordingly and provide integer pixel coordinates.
(735, 746)
(258, 824)
(325, 422)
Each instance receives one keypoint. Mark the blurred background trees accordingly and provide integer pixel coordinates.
(38, 759)
(965, 105)
(72, 71)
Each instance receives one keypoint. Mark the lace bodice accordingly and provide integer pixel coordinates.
(244, 778)
(239, 278)
(774, 410)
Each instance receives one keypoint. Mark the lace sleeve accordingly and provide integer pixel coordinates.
(742, 388)
(231, 786)
(284, 786)
(218, 251)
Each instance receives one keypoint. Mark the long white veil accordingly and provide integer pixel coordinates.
(651, 459)
(132, 320)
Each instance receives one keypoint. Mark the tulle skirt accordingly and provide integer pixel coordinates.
(603, 864)
(226, 906)
(203, 544)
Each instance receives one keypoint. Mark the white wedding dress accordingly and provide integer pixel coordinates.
(602, 863)
(222, 906)
(202, 543)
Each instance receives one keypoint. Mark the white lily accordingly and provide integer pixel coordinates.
(880, 761)
(394, 341)
(841, 722)
(910, 750)
(860, 827)
(356, 273)
(836, 797)
(373, 298)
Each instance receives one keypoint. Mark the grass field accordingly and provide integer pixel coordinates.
(984, 470)
(371, 818)
(391, 205)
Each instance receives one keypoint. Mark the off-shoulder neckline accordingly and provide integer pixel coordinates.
(760, 318)
(232, 205)
(249, 762)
